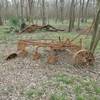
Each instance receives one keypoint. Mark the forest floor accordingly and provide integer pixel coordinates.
(25, 79)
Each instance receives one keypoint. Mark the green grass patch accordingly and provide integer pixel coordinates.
(33, 93)
(79, 97)
(97, 90)
(58, 97)
(64, 79)
(60, 86)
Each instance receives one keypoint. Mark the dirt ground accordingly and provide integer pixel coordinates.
(25, 79)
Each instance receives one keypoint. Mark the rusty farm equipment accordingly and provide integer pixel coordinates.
(34, 27)
(79, 55)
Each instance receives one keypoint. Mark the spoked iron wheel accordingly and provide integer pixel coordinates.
(83, 57)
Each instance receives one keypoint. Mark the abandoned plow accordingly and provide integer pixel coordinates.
(34, 27)
(79, 55)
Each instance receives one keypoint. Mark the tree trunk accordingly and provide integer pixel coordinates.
(16, 4)
(57, 16)
(26, 13)
(72, 16)
(6, 10)
(61, 10)
(22, 13)
(1, 23)
(82, 17)
(96, 35)
(30, 4)
(79, 16)
(23, 25)
(86, 10)
(38, 7)
(43, 13)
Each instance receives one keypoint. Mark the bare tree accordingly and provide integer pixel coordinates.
(61, 10)
(82, 17)
(6, 9)
(16, 5)
(26, 12)
(30, 5)
(38, 6)
(43, 13)
(86, 10)
(22, 12)
(96, 34)
(23, 25)
(72, 16)
(0, 13)
(47, 6)
(79, 16)
(48, 9)
(57, 11)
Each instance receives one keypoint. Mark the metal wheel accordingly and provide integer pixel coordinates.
(83, 57)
